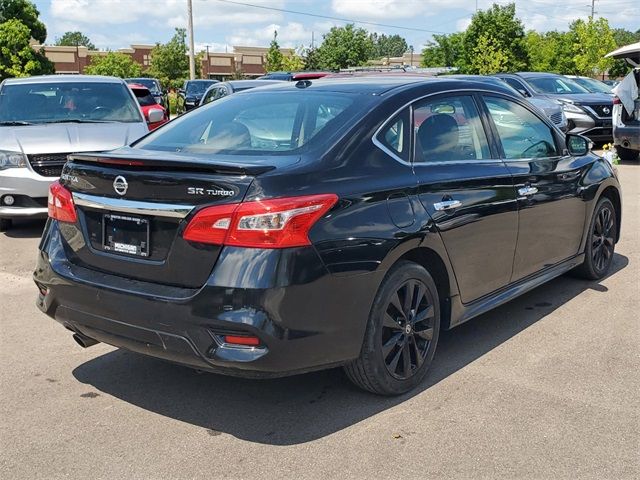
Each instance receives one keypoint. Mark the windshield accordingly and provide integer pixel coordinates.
(144, 97)
(152, 85)
(67, 102)
(555, 85)
(198, 87)
(261, 123)
(592, 85)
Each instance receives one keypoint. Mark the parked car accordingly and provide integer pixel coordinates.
(347, 223)
(611, 83)
(293, 76)
(154, 113)
(550, 108)
(626, 105)
(154, 87)
(222, 89)
(591, 84)
(43, 119)
(190, 94)
(588, 113)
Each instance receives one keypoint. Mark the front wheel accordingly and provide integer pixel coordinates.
(601, 241)
(402, 333)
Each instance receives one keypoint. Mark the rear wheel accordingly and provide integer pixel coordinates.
(600, 241)
(402, 333)
(5, 224)
(627, 154)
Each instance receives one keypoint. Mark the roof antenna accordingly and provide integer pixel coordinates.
(303, 83)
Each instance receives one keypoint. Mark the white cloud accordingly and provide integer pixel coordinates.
(394, 9)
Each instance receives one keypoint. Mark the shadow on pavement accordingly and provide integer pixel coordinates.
(23, 228)
(303, 408)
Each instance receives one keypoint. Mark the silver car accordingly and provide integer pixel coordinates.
(43, 119)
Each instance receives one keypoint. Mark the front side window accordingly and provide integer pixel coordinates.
(449, 129)
(68, 101)
(515, 84)
(522, 134)
(261, 123)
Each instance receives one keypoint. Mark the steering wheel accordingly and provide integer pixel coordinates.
(527, 152)
(101, 112)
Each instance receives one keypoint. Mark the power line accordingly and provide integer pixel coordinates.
(327, 17)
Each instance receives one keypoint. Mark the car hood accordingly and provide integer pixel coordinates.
(581, 98)
(69, 137)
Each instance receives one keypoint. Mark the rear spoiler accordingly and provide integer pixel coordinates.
(184, 163)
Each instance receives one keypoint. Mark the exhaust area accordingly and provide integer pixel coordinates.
(83, 341)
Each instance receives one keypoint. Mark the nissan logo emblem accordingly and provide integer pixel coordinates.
(120, 185)
(606, 110)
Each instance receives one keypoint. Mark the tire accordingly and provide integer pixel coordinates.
(5, 224)
(601, 242)
(402, 333)
(626, 154)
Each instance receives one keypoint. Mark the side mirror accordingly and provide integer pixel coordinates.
(181, 91)
(155, 115)
(577, 145)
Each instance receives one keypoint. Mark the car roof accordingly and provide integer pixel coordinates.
(380, 84)
(207, 80)
(137, 86)
(536, 74)
(137, 79)
(251, 83)
(63, 79)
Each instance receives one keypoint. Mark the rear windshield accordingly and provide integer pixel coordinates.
(144, 97)
(198, 87)
(152, 85)
(556, 85)
(66, 101)
(255, 123)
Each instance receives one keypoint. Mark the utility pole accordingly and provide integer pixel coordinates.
(593, 8)
(192, 54)
(208, 62)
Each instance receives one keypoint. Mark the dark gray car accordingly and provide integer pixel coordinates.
(588, 113)
(219, 90)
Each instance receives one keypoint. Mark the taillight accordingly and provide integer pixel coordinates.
(60, 204)
(273, 223)
(616, 101)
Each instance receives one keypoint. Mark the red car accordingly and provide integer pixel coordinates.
(154, 113)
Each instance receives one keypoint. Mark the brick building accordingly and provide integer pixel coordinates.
(248, 60)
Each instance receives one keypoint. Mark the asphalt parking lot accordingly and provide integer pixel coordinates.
(543, 387)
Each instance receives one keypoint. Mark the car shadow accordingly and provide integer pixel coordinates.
(303, 408)
(26, 228)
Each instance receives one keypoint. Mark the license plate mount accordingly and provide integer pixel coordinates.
(124, 234)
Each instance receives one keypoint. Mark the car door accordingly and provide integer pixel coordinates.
(467, 190)
(547, 182)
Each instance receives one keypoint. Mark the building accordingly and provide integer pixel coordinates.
(250, 61)
(408, 59)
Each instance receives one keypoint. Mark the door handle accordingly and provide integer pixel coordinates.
(526, 191)
(447, 205)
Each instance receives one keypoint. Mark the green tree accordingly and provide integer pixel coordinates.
(593, 40)
(114, 64)
(27, 13)
(17, 57)
(311, 59)
(274, 56)
(344, 47)
(169, 61)
(387, 46)
(500, 24)
(488, 58)
(443, 51)
(72, 39)
(551, 51)
(292, 63)
(622, 37)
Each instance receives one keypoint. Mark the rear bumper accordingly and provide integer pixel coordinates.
(306, 318)
(28, 188)
(627, 136)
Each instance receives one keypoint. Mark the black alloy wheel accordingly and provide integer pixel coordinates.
(407, 329)
(402, 332)
(601, 241)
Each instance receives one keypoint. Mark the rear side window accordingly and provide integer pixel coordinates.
(396, 134)
(523, 134)
(449, 129)
(261, 123)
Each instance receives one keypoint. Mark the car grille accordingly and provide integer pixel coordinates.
(602, 110)
(556, 117)
(48, 164)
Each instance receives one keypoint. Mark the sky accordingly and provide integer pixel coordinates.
(113, 24)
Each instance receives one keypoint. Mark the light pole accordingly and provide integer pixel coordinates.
(208, 63)
(192, 54)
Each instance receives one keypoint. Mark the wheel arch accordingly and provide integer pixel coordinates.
(613, 194)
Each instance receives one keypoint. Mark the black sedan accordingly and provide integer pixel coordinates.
(222, 89)
(190, 94)
(323, 223)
